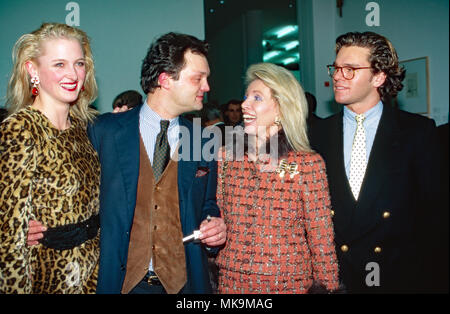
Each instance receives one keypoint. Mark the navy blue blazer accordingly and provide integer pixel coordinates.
(115, 137)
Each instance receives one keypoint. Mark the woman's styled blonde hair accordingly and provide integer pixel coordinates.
(289, 95)
(28, 48)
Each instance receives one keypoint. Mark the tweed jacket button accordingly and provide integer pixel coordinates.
(377, 249)
(386, 214)
(344, 248)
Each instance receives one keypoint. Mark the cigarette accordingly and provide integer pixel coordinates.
(196, 234)
(193, 236)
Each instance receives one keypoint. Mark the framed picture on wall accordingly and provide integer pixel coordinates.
(415, 95)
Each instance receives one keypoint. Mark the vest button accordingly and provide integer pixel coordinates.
(377, 249)
(156, 206)
(153, 247)
(344, 248)
(332, 213)
(386, 215)
(155, 227)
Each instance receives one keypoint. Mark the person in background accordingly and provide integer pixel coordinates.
(213, 117)
(214, 122)
(280, 232)
(129, 98)
(312, 117)
(50, 171)
(232, 112)
(312, 106)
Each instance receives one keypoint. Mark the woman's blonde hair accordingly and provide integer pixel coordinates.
(28, 48)
(289, 95)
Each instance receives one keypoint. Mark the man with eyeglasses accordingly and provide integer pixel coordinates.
(383, 171)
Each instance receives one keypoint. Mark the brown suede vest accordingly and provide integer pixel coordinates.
(156, 232)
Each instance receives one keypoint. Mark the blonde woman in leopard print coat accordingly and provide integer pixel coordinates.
(49, 170)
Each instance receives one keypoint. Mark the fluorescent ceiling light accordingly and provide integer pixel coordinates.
(286, 30)
(291, 45)
(271, 54)
(289, 60)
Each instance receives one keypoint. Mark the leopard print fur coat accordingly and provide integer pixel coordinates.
(51, 176)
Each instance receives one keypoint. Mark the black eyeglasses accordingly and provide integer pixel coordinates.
(347, 72)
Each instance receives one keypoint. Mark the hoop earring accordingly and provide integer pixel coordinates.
(35, 81)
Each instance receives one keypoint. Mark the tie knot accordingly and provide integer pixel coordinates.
(164, 125)
(360, 118)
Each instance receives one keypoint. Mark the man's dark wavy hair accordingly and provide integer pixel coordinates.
(383, 58)
(166, 54)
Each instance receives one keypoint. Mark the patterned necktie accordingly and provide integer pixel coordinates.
(161, 154)
(358, 161)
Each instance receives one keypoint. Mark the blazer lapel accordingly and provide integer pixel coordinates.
(186, 168)
(127, 145)
(340, 192)
(378, 167)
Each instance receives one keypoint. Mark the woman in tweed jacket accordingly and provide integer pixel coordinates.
(276, 205)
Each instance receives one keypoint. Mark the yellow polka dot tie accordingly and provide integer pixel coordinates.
(161, 154)
(358, 161)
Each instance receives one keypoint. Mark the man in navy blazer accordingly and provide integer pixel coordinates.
(174, 77)
(384, 235)
(116, 139)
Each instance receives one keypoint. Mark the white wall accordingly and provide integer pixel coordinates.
(417, 28)
(120, 32)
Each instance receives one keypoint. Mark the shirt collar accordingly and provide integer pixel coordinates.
(371, 114)
(149, 116)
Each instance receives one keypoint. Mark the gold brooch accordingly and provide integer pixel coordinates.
(284, 167)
